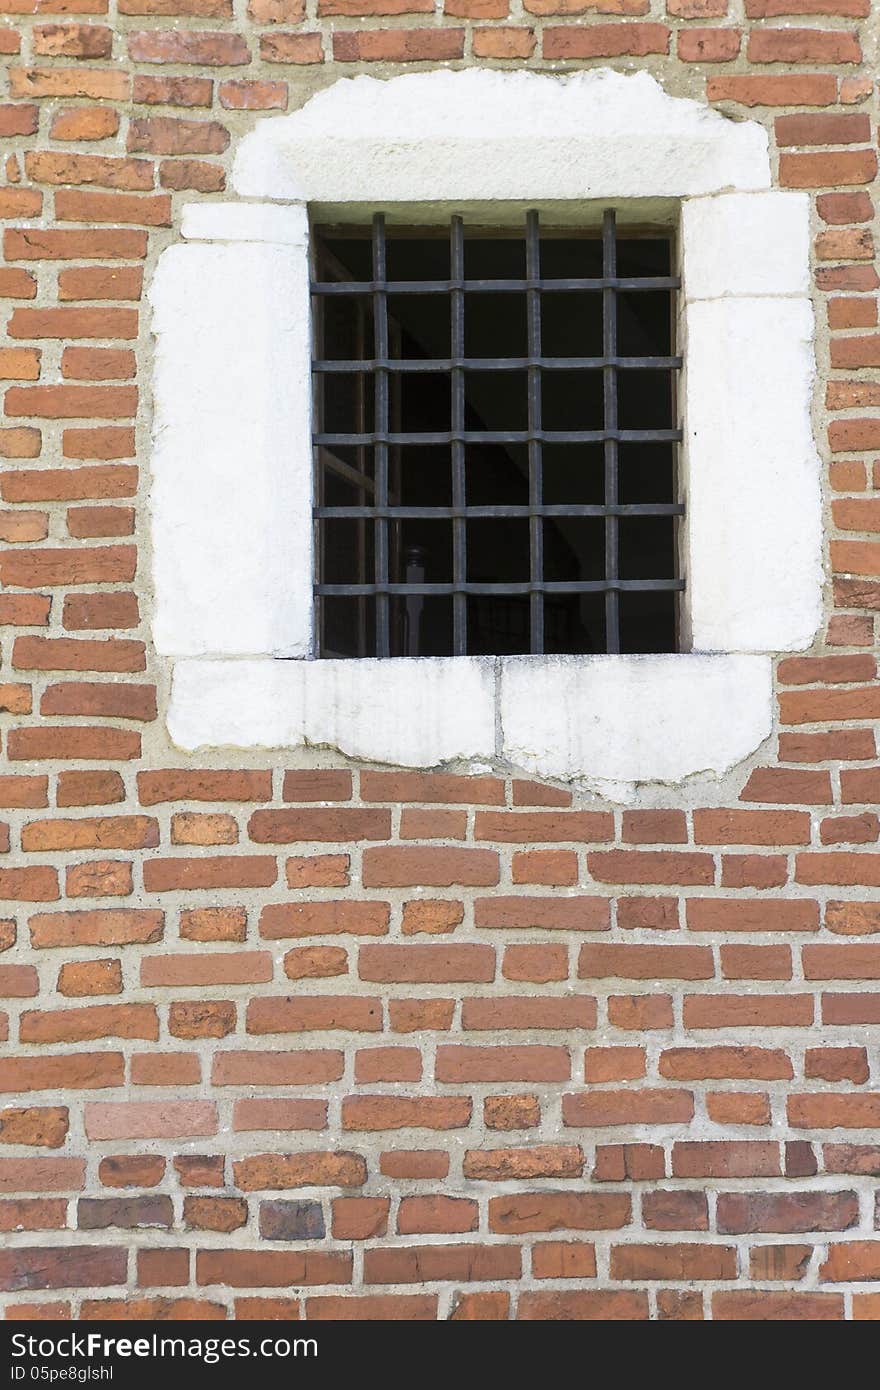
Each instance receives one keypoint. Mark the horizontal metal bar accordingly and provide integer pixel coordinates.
(350, 366)
(648, 282)
(583, 586)
(503, 512)
(505, 437)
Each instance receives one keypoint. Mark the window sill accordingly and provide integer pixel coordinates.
(606, 722)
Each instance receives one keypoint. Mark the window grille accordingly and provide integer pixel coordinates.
(495, 441)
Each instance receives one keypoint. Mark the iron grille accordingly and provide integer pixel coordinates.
(367, 446)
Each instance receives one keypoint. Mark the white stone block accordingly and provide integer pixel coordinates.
(232, 459)
(285, 225)
(480, 135)
(746, 244)
(753, 523)
(611, 722)
(410, 713)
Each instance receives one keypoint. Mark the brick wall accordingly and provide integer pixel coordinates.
(286, 1038)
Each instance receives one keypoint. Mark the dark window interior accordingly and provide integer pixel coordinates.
(495, 450)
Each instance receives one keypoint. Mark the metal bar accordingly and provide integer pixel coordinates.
(380, 333)
(609, 385)
(654, 282)
(473, 513)
(536, 522)
(329, 463)
(573, 586)
(387, 436)
(495, 364)
(505, 437)
(459, 525)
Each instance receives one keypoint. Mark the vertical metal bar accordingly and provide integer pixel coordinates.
(459, 525)
(609, 383)
(380, 334)
(319, 530)
(536, 523)
(361, 454)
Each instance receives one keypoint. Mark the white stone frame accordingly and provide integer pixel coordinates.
(232, 456)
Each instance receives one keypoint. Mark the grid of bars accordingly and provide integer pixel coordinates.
(382, 511)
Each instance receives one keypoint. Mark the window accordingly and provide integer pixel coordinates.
(232, 469)
(495, 437)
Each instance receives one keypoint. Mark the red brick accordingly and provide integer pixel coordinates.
(427, 964)
(851, 1261)
(101, 927)
(431, 788)
(198, 47)
(536, 964)
(461, 1064)
(299, 1068)
(765, 1305)
(714, 45)
(756, 962)
(436, 1215)
(315, 962)
(753, 914)
(787, 1213)
(737, 827)
(602, 961)
(782, 1262)
(373, 1113)
(398, 45)
(414, 1163)
(654, 827)
(416, 824)
(170, 135)
(199, 968)
(556, 1259)
(523, 1212)
(78, 1266)
(370, 1307)
(827, 170)
(213, 924)
(180, 784)
(73, 1071)
(105, 832)
(318, 1013)
(639, 1012)
(430, 1263)
(407, 866)
(791, 45)
(544, 827)
(547, 914)
(378, 1064)
(511, 1112)
(737, 1064)
(210, 871)
(747, 1010)
(675, 1211)
(431, 916)
(87, 1024)
(685, 1262)
(723, 1159)
(585, 1305)
(360, 1218)
(344, 825)
(272, 1268)
(633, 1107)
(318, 871)
(605, 41)
(649, 866)
(324, 919)
(172, 1119)
(284, 1171)
(834, 1111)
